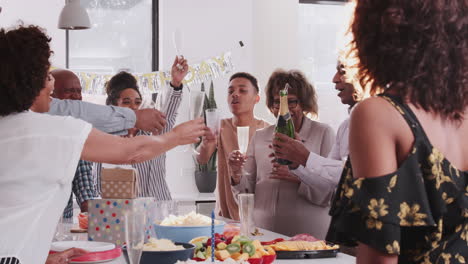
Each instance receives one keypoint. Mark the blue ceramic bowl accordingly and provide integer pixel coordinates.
(186, 233)
(165, 257)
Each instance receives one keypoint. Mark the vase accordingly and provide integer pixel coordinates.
(206, 181)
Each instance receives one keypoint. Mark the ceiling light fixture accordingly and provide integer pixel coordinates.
(73, 16)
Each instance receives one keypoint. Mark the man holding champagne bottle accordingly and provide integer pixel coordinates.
(309, 166)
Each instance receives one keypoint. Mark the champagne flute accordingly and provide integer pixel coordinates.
(212, 119)
(246, 207)
(243, 138)
(135, 223)
(196, 101)
(243, 142)
(178, 40)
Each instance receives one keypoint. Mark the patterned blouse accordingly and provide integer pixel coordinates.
(419, 212)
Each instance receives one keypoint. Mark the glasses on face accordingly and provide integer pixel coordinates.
(292, 103)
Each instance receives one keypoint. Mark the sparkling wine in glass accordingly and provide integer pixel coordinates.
(243, 142)
(243, 138)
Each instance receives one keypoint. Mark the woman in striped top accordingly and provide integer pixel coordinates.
(122, 90)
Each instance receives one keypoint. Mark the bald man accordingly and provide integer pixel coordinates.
(67, 86)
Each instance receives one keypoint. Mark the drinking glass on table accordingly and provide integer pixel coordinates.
(135, 223)
(62, 231)
(246, 207)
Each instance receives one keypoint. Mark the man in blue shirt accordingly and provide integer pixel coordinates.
(67, 87)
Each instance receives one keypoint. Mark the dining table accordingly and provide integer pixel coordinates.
(264, 235)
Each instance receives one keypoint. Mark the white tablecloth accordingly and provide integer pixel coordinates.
(267, 236)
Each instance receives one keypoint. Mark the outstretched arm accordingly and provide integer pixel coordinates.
(101, 147)
(107, 118)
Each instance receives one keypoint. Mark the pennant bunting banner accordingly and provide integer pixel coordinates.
(93, 83)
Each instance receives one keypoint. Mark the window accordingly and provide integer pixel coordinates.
(321, 23)
(123, 36)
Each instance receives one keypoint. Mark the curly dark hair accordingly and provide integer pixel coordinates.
(119, 82)
(299, 86)
(418, 48)
(24, 67)
(247, 76)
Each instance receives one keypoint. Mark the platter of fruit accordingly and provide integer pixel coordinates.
(239, 248)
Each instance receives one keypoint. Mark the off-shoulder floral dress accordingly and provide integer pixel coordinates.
(419, 212)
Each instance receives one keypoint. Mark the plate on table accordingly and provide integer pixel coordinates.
(99, 251)
(307, 254)
(302, 249)
(92, 246)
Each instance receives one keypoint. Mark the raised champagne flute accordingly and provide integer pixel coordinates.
(177, 41)
(196, 101)
(213, 120)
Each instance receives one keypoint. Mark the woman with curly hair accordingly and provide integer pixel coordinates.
(122, 90)
(284, 203)
(34, 191)
(403, 194)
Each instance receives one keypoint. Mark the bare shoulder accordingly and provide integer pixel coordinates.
(377, 114)
(374, 130)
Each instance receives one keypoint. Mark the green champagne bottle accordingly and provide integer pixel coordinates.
(284, 124)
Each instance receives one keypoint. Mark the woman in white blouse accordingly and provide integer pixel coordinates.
(41, 151)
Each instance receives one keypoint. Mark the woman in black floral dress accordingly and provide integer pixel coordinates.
(403, 194)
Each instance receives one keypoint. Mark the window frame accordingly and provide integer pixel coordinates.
(154, 42)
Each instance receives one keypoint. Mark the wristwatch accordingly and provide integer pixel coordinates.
(177, 88)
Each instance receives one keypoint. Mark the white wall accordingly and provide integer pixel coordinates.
(112, 43)
(275, 27)
(209, 27)
(42, 13)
